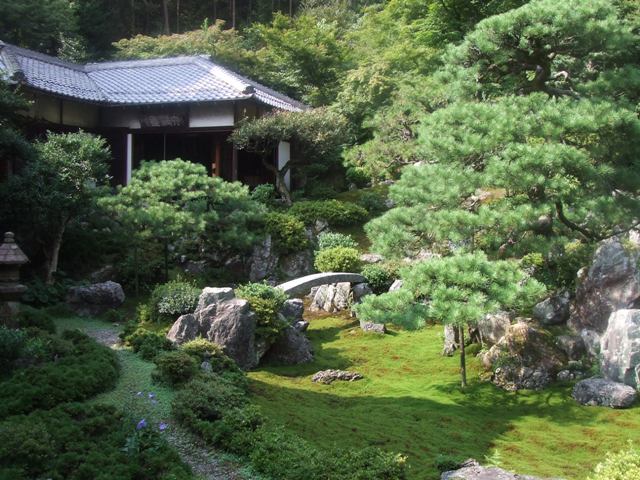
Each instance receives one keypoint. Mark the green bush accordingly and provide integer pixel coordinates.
(205, 399)
(266, 301)
(86, 370)
(41, 294)
(147, 343)
(12, 343)
(201, 349)
(334, 239)
(264, 193)
(380, 276)
(172, 299)
(338, 259)
(358, 177)
(372, 202)
(334, 212)
(623, 465)
(287, 232)
(79, 441)
(235, 432)
(36, 318)
(174, 368)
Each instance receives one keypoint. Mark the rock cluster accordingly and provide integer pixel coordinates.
(95, 299)
(222, 318)
(604, 393)
(329, 376)
(472, 470)
(332, 298)
(620, 348)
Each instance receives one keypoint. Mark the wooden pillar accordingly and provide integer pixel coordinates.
(234, 165)
(216, 165)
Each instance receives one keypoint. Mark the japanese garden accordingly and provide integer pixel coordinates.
(319, 240)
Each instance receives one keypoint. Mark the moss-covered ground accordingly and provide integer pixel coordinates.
(410, 402)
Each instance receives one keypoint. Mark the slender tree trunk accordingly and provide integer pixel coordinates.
(463, 360)
(215, 10)
(280, 182)
(291, 8)
(233, 14)
(133, 17)
(54, 252)
(177, 16)
(165, 13)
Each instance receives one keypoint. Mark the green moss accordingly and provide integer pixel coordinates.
(410, 402)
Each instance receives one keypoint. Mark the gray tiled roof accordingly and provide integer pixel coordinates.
(137, 82)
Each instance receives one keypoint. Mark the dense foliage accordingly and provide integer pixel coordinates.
(266, 301)
(338, 259)
(622, 465)
(287, 232)
(334, 212)
(172, 299)
(335, 239)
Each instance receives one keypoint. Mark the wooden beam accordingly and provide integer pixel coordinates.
(216, 166)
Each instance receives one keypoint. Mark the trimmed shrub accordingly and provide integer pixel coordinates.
(172, 299)
(264, 193)
(372, 202)
(334, 212)
(380, 276)
(86, 370)
(201, 349)
(174, 368)
(623, 465)
(338, 259)
(334, 239)
(287, 232)
(147, 343)
(32, 317)
(12, 343)
(41, 294)
(78, 441)
(266, 301)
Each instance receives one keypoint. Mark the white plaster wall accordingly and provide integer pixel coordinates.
(211, 115)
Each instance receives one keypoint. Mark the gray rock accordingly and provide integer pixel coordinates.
(329, 376)
(296, 264)
(451, 340)
(360, 290)
(184, 329)
(605, 393)
(396, 285)
(104, 274)
(554, 310)
(95, 299)
(263, 261)
(620, 348)
(293, 310)
(332, 298)
(373, 327)
(611, 283)
(572, 345)
(301, 326)
(371, 258)
(525, 358)
(292, 347)
(493, 327)
(313, 291)
(569, 375)
(477, 472)
(212, 296)
(302, 285)
(233, 328)
(591, 340)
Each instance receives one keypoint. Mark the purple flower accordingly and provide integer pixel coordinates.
(163, 426)
(141, 424)
(152, 395)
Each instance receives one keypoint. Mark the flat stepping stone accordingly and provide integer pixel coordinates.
(329, 376)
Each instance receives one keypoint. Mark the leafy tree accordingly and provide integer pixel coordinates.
(316, 135)
(14, 148)
(512, 174)
(175, 202)
(458, 290)
(59, 186)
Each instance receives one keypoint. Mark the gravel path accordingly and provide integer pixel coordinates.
(204, 462)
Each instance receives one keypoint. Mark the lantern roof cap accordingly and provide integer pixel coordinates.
(10, 252)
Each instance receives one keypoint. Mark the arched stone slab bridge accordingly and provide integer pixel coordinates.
(303, 285)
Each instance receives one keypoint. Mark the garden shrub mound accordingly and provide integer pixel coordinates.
(334, 212)
(220, 411)
(266, 301)
(172, 299)
(76, 442)
(83, 369)
(287, 232)
(338, 259)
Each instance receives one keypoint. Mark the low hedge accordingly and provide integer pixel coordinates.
(86, 370)
(338, 259)
(172, 299)
(287, 232)
(334, 239)
(266, 301)
(334, 212)
(78, 442)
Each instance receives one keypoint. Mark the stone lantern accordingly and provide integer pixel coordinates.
(11, 259)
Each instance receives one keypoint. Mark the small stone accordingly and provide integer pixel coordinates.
(329, 376)
(396, 285)
(371, 258)
(293, 309)
(373, 327)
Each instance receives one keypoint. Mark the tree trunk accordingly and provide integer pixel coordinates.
(280, 183)
(177, 16)
(463, 360)
(291, 8)
(54, 253)
(233, 14)
(165, 13)
(215, 11)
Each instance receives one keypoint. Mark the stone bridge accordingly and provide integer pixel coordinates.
(303, 285)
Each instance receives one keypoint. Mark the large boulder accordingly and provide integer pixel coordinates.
(214, 295)
(554, 310)
(472, 470)
(525, 358)
(293, 310)
(360, 290)
(95, 299)
(493, 327)
(332, 298)
(232, 325)
(620, 348)
(184, 329)
(611, 283)
(604, 393)
(291, 347)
